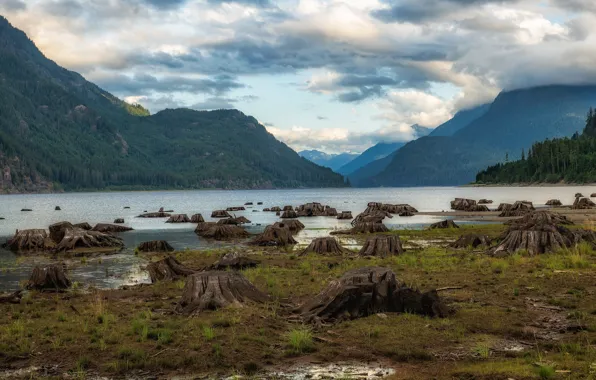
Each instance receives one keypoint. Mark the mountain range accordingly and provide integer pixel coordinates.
(59, 131)
(331, 161)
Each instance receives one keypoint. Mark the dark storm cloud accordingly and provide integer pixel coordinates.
(13, 5)
(361, 94)
(576, 5)
(64, 8)
(255, 3)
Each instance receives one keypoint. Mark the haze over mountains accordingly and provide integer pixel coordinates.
(331, 161)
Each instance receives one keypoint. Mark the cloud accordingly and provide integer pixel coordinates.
(214, 104)
(13, 5)
(254, 3)
(165, 4)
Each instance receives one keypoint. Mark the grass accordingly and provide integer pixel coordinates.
(300, 341)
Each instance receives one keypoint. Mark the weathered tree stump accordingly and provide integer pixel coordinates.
(110, 228)
(275, 209)
(159, 214)
(327, 246)
(485, 201)
(471, 240)
(161, 209)
(197, 218)
(287, 208)
(444, 224)
(275, 235)
(14, 298)
(234, 261)
(234, 221)
(294, 225)
(541, 217)
(248, 204)
(554, 202)
(519, 208)
(213, 290)
(583, 204)
(57, 231)
(220, 214)
(178, 218)
(57, 208)
(593, 195)
(167, 269)
(84, 225)
(259, 203)
(289, 214)
(26, 210)
(78, 238)
(345, 215)
(406, 214)
(365, 291)
(503, 206)
(48, 278)
(311, 209)
(330, 211)
(579, 195)
(396, 209)
(204, 226)
(119, 221)
(29, 241)
(382, 246)
(363, 228)
(155, 246)
(223, 232)
(235, 208)
(469, 205)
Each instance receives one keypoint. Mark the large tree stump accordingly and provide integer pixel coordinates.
(57, 208)
(14, 298)
(469, 205)
(345, 215)
(363, 228)
(311, 209)
(327, 246)
(155, 246)
(382, 246)
(110, 228)
(220, 214)
(395, 209)
(288, 208)
(159, 214)
(503, 206)
(235, 261)
(289, 214)
(57, 231)
(50, 277)
(223, 232)
(330, 211)
(579, 195)
(294, 225)
(519, 208)
(204, 226)
(236, 208)
(583, 204)
(197, 218)
(540, 217)
(365, 291)
(178, 218)
(406, 214)
(554, 202)
(234, 221)
(274, 236)
(444, 224)
(471, 240)
(167, 269)
(84, 225)
(374, 213)
(29, 241)
(213, 290)
(80, 239)
(485, 201)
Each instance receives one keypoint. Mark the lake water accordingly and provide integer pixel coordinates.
(125, 268)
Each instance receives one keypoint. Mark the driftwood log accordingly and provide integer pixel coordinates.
(220, 214)
(289, 214)
(110, 228)
(519, 208)
(223, 232)
(471, 240)
(554, 202)
(167, 269)
(469, 205)
(159, 214)
(155, 246)
(345, 215)
(197, 218)
(119, 221)
(277, 235)
(234, 261)
(28, 241)
(444, 224)
(78, 238)
(48, 278)
(327, 246)
(213, 290)
(178, 218)
(365, 291)
(583, 204)
(382, 246)
(294, 225)
(14, 298)
(363, 228)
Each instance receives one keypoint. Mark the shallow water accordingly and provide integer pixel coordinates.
(125, 268)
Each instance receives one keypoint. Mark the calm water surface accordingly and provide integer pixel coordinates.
(125, 268)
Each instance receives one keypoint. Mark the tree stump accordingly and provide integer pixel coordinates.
(583, 204)
(365, 291)
(234, 221)
(294, 225)
(84, 225)
(248, 204)
(155, 246)
(373, 214)
(14, 298)
(48, 278)
(469, 205)
(259, 203)
(503, 206)
(110, 228)
(204, 226)
(382, 246)
(213, 290)
(288, 208)
(119, 221)
(579, 195)
(363, 228)
(26, 210)
(593, 195)
(275, 209)
(220, 214)
(235, 261)
(289, 214)
(168, 269)
(554, 202)
(275, 235)
(57, 208)
(444, 224)
(394, 209)
(159, 214)
(178, 218)
(330, 211)
(311, 209)
(406, 214)
(197, 218)
(540, 217)
(327, 246)
(266, 209)
(519, 208)
(78, 238)
(485, 202)
(57, 231)
(345, 215)
(240, 208)
(471, 240)
(223, 232)
(29, 241)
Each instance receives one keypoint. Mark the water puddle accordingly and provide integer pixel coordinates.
(332, 371)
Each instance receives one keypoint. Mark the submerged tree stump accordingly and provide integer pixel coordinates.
(444, 224)
(365, 291)
(213, 290)
(406, 214)
(519, 208)
(197, 218)
(327, 246)
(155, 246)
(57, 208)
(382, 246)
(554, 202)
(235, 261)
(345, 215)
(235, 208)
(396, 209)
(274, 236)
(330, 211)
(289, 214)
(287, 208)
(178, 218)
(220, 214)
(78, 238)
(311, 209)
(119, 221)
(29, 241)
(234, 221)
(110, 228)
(223, 232)
(294, 225)
(471, 240)
(159, 214)
(469, 205)
(167, 269)
(48, 278)
(485, 202)
(583, 204)
(275, 209)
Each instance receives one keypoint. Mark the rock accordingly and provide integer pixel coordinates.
(220, 214)
(48, 278)
(84, 225)
(554, 202)
(469, 205)
(519, 208)
(119, 221)
(57, 208)
(240, 208)
(29, 241)
(178, 218)
(289, 214)
(26, 210)
(485, 202)
(168, 269)
(275, 235)
(110, 228)
(213, 290)
(155, 246)
(197, 218)
(471, 240)
(382, 246)
(363, 228)
(345, 215)
(366, 291)
(327, 246)
(583, 204)
(160, 214)
(294, 225)
(223, 232)
(444, 224)
(234, 261)
(79, 239)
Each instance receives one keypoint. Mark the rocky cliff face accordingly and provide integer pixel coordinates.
(18, 178)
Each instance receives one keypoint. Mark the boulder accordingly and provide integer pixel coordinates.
(168, 269)
(276, 235)
(345, 215)
(444, 224)
(160, 214)
(583, 204)
(471, 240)
(327, 246)
(29, 241)
(366, 291)
(382, 246)
(554, 202)
(197, 218)
(213, 290)
(289, 214)
(294, 225)
(234, 261)
(178, 218)
(220, 214)
(110, 228)
(519, 208)
(469, 205)
(48, 278)
(119, 221)
(155, 246)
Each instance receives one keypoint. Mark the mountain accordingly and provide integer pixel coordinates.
(460, 120)
(513, 122)
(377, 152)
(331, 161)
(59, 131)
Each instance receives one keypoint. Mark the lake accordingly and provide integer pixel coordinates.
(126, 268)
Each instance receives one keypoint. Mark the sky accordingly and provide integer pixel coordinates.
(333, 75)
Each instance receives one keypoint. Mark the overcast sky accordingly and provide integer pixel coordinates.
(324, 74)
